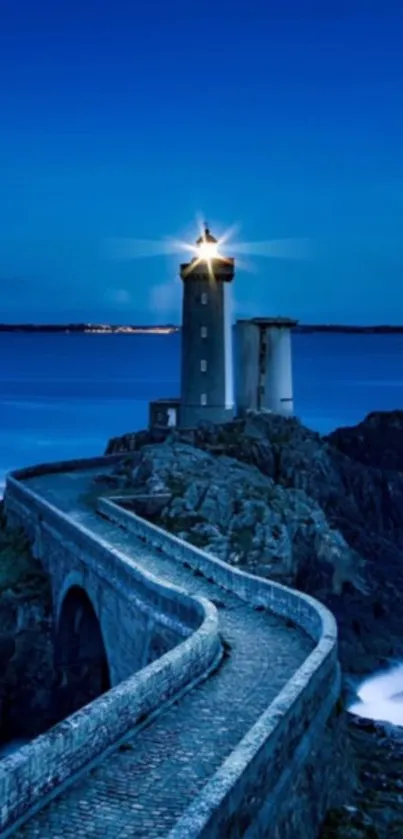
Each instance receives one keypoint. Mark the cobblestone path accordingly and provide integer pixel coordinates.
(143, 787)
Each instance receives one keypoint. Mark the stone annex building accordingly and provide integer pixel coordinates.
(218, 711)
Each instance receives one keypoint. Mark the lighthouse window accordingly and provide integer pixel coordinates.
(204, 297)
(203, 365)
(204, 331)
(203, 398)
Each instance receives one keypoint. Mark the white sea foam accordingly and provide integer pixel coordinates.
(381, 697)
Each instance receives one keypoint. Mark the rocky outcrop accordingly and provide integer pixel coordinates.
(375, 810)
(26, 646)
(324, 515)
(275, 497)
(377, 441)
(239, 514)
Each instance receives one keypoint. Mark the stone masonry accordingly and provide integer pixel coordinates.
(214, 726)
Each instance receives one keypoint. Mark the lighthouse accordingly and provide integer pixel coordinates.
(264, 354)
(207, 390)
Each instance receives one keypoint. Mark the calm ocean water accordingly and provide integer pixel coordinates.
(62, 395)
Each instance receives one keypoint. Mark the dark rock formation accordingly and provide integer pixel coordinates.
(273, 496)
(322, 514)
(375, 811)
(26, 646)
(376, 441)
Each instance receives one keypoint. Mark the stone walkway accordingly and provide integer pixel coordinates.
(143, 787)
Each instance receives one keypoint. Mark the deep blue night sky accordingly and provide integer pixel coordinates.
(127, 119)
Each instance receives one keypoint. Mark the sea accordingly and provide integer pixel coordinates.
(64, 395)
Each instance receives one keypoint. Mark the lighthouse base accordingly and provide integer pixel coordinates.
(190, 416)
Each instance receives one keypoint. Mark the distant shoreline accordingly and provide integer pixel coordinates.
(366, 330)
(89, 328)
(167, 329)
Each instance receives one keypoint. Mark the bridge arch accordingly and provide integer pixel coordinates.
(81, 660)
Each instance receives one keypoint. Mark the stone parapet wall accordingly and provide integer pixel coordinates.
(276, 783)
(23, 508)
(304, 610)
(76, 465)
(49, 761)
(253, 792)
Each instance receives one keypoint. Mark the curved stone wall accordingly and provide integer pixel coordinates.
(40, 519)
(307, 612)
(51, 759)
(252, 790)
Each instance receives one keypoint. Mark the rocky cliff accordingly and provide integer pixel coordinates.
(26, 647)
(270, 495)
(377, 441)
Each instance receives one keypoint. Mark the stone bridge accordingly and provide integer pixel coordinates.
(216, 689)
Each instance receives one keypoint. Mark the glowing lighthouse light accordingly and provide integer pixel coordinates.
(207, 246)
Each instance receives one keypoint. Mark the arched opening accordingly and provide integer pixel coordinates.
(80, 657)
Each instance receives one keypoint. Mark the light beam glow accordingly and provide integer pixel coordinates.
(206, 251)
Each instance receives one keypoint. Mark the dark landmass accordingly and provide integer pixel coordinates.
(27, 676)
(350, 330)
(166, 329)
